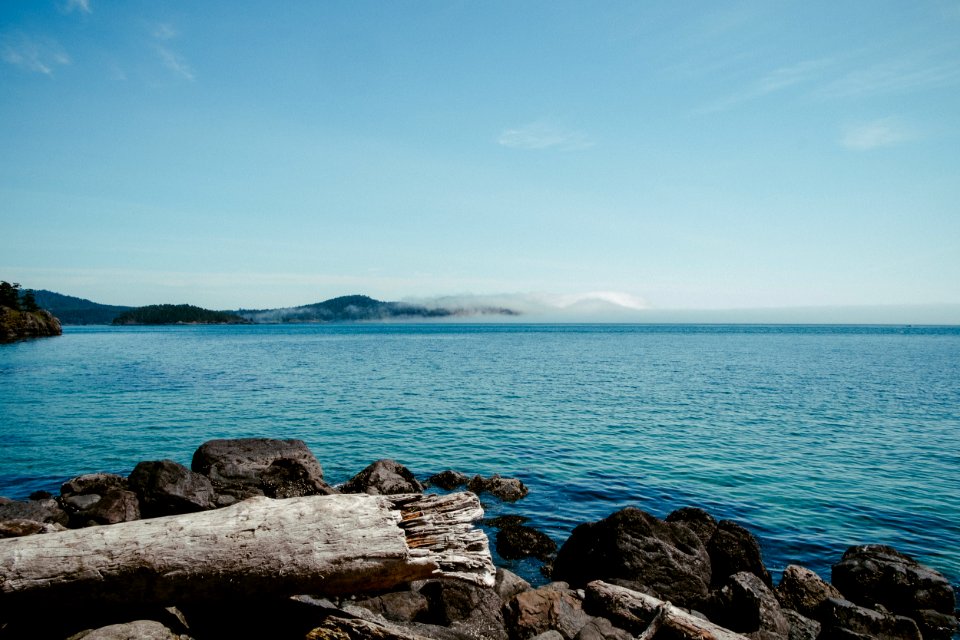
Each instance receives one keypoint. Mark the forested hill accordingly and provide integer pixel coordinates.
(72, 310)
(177, 314)
(359, 308)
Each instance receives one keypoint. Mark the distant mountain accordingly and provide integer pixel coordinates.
(177, 314)
(71, 310)
(362, 308)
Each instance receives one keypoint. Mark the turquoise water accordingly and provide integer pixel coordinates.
(815, 438)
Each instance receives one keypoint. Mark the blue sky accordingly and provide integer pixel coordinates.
(672, 155)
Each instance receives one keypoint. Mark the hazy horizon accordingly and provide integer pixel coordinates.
(693, 159)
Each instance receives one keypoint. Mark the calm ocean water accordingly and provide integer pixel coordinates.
(814, 438)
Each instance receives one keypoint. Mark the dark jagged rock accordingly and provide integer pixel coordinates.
(801, 627)
(746, 604)
(634, 549)
(465, 608)
(842, 617)
(602, 629)
(520, 541)
(877, 574)
(733, 549)
(507, 489)
(98, 483)
(398, 606)
(40, 495)
(804, 591)
(448, 480)
(700, 522)
(245, 467)
(165, 488)
(383, 477)
(141, 629)
(115, 506)
(502, 522)
(47, 511)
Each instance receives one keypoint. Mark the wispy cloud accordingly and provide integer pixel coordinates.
(176, 63)
(543, 135)
(165, 31)
(884, 132)
(38, 55)
(926, 71)
(779, 79)
(83, 6)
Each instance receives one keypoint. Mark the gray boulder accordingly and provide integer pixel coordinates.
(245, 467)
(636, 550)
(745, 604)
(801, 627)
(383, 477)
(46, 510)
(804, 591)
(700, 522)
(466, 609)
(165, 488)
(18, 527)
(93, 483)
(136, 630)
(509, 584)
(90, 509)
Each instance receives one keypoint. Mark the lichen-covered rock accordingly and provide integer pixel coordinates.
(47, 510)
(842, 617)
(383, 477)
(17, 527)
(245, 467)
(93, 483)
(507, 489)
(520, 541)
(877, 574)
(733, 549)
(165, 488)
(804, 591)
(448, 480)
(700, 522)
(636, 550)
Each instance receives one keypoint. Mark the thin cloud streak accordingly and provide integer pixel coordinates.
(176, 63)
(884, 132)
(541, 135)
(37, 55)
(82, 6)
(780, 79)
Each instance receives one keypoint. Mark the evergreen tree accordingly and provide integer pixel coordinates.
(10, 295)
(29, 301)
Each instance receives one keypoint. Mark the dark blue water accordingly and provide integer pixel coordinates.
(815, 438)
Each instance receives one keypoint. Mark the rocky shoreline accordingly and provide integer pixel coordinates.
(20, 325)
(626, 576)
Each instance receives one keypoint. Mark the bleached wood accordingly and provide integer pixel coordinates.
(639, 610)
(327, 545)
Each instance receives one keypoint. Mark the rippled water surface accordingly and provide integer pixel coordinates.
(815, 438)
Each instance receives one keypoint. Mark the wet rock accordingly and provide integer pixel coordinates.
(700, 522)
(93, 483)
(520, 541)
(877, 574)
(507, 489)
(553, 607)
(40, 495)
(842, 617)
(733, 549)
(383, 477)
(804, 591)
(18, 527)
(934, 624)
(245, 467)
(801, 627)
(448, 480)
(634, 549)
(467, 609)
(746, 604)
(47, 511)
(501, 522)
(165, 488)
(140, 629)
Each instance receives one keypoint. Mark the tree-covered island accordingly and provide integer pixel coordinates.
(21, 317)
(176, 314)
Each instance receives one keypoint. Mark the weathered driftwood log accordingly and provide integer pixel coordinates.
(330, 545)
(641, 612)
